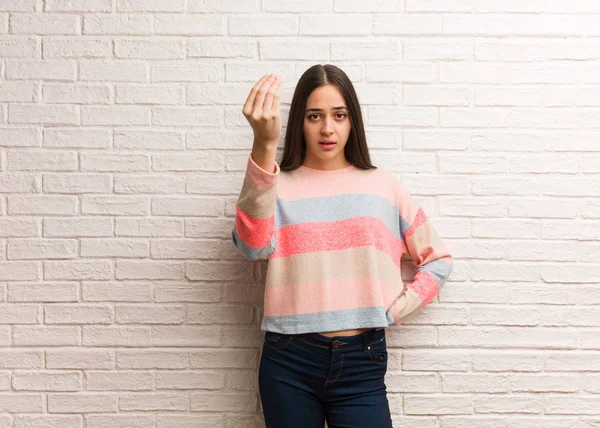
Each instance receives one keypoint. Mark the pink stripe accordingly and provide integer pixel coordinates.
(337, 235)
(376, 183)
(426, 286)
(255, 232)
(420, 218)
(330, 295)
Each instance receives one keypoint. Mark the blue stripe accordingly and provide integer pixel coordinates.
(439, 269)
(249, 252)
(347, 319)
(339, 207)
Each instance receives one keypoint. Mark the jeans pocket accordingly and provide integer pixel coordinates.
(378, 352)
(277, 340)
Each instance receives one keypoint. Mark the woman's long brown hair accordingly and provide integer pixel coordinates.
(294, 149)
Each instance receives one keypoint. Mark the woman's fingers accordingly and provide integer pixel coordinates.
(277, 98)
(259, 101)
(267, 107)
(249, 104)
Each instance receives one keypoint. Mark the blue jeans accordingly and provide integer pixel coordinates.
(307, 379)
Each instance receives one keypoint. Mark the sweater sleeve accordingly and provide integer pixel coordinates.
(434, 261)
(253, 231)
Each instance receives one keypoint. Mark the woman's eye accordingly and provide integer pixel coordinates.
(343, 115)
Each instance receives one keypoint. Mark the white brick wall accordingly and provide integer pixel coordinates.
(122, 151)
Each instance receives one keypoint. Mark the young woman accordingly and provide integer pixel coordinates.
(333, 228)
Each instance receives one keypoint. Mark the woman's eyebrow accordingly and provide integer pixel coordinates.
(334, 108)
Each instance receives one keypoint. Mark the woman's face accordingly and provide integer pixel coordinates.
(324, 121)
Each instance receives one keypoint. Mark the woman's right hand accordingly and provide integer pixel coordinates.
(262, 110)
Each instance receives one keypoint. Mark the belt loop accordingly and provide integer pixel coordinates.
(364, 336)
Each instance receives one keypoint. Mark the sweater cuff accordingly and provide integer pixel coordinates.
(259, 177)
(408, 303)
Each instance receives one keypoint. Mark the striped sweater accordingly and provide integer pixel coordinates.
(334, 242)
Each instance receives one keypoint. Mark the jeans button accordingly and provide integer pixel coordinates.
(336, 343)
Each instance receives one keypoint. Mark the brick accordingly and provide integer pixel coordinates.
(437, 49)
(149, 94)
(19, 47)
(149, 140)
(20, 137)
(76, 183)
(230, 48)
(407, 24)
(151, 270)
(78, 314)
(18, 6)
(236, 401)
(190, 25)
(185, 71)
(19, 92)
(46, 336)
(150, 184)
(222, 6)
(438, 6)
(77, 138)
(12, 227)
(47, 292)
(109, 248)
(403, 116)
(127, 24)
(21, 359)
(78, 227)
(78, 6)
(186, 116)
(427, 404)
(77, 270)
(47, 381)
(122, 291)
(418, 95)
(42, 205)
(117, 71)
(42, 160)
(275, 25)
(77, 47)
(150, 6)
(510, 6)
(190, 380)
(184, 335)
(17, 182)
(114, 162)
(157, 49)
(116, 336)
(43, 114)
(186, 206)
(119, 420)
(152, 359)
(39, 249)
(340, 49)
(155, 314)
(82, 403)
(115, 115)
(115, 205)
(118, 381)
(310, 25)
(21, 23)
(151, 227)
(516, 403)
(155, 401)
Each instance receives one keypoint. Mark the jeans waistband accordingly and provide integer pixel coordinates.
(342, 343)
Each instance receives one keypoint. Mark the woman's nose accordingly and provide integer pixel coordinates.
(327, 127)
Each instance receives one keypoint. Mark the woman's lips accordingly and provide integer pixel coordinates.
(327, 146)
